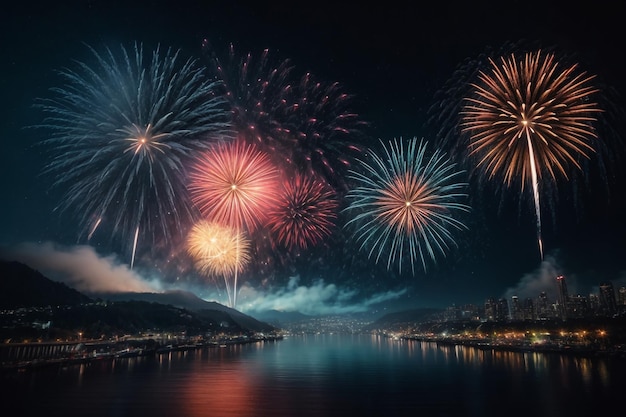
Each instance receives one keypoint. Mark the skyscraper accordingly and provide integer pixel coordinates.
(608, 303)
(621, 297)
(517, 312)
(543, 306)
(563, 296)
(502, 310)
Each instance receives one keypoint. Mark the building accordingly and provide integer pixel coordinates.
(563, 297)
(502, 310)
(608, 302)
(621, 298)
(542, 307)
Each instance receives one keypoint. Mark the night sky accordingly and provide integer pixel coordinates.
(395, 61)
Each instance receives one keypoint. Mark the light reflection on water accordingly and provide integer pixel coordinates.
(323, 375)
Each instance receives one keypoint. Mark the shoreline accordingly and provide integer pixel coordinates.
(562, 349)
(143, 351)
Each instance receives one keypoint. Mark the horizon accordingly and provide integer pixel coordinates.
(375, 306)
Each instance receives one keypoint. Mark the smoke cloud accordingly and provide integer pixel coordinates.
(319, 299)
(541, 280)
(80, 267)
(544, 279)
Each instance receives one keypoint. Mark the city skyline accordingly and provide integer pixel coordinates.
(607, 301)
(396, 66)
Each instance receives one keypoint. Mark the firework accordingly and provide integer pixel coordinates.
(324, 127)
(405, 202)
(256, 89)
(306, 213)
(121, 133)
(219, 250)
(234, 184)
(302, 123)
(530, 120)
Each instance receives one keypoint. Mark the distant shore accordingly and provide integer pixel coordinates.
(558, 348)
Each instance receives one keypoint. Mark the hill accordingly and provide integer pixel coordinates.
(48, 309)
(189, 301)
(22, 286)
(401, 319)
(281, 318)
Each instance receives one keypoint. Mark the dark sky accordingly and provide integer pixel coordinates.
(393, 59)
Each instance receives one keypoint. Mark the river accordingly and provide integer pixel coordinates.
(323, 375)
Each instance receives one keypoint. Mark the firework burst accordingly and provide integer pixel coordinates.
(121, 133)
(306, 213)
(324, 129)
(256, 89)
(219, 250)
(530, 120)
(405, 203)
(234, 184)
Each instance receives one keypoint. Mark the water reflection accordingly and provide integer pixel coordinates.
(570, 370)
(218, 385)
(322, 375)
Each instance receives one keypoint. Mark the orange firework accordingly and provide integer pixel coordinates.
(218, 250)
(529, 119)
(234, 184)
(530, 112)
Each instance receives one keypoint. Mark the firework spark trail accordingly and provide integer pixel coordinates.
(535, 185)
(93, 228)
(122, 131)
(132, 258)
(529, 121)
(405, 203)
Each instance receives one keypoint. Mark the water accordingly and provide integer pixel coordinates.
(324, 375)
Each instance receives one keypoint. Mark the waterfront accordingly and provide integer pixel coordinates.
(39, 354)
(324, 375)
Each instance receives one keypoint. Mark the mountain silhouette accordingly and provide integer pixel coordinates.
(22, 286)
(189, 301)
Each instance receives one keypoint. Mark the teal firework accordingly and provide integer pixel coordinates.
(121, 129)
(406, 204)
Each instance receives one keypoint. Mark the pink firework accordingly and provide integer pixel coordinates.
(234, 184)
(306, 214)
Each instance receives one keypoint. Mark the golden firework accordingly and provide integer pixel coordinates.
(217, 249)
